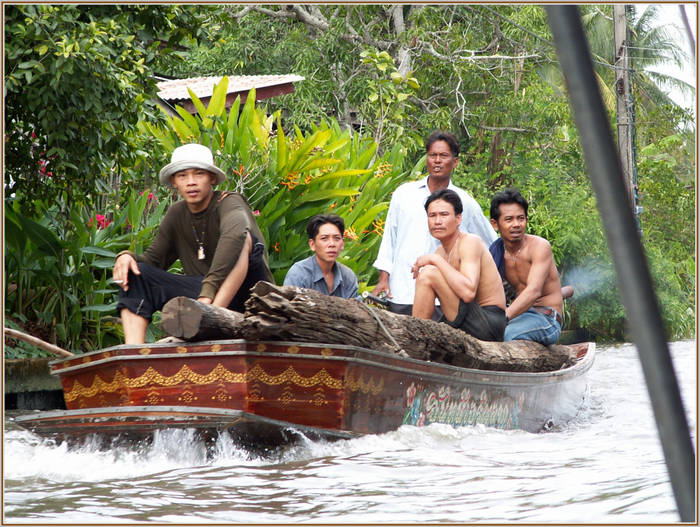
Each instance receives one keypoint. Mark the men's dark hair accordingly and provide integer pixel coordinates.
(316, 222)
(450, 196)
(506, 197)
(449, 138)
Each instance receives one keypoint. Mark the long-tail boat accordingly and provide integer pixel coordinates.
(267, 393)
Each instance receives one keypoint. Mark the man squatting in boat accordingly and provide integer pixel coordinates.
(406, 235)
(321, 271)
(526, 264)
(461, 274)
(212, 233)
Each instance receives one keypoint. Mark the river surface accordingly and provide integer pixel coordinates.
(605, 467)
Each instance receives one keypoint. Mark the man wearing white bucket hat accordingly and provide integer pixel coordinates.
(212, 233)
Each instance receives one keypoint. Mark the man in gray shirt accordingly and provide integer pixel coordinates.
(321, 271)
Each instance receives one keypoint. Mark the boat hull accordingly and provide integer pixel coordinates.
(251, 388)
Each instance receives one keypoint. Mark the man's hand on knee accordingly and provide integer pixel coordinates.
(122, 265)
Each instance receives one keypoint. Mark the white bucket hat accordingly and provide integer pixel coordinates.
(192, 155)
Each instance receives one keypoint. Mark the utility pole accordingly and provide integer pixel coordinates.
(625, 106)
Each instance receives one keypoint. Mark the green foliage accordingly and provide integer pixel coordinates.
(77, 80)
(289, 179)
(387, 104)
(62, 288)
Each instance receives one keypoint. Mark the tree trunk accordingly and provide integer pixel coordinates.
(292, 313)
(188, 319)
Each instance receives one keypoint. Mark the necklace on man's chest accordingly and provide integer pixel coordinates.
(514, 257)
(200, 241)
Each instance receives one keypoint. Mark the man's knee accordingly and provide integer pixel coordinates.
(427, 276)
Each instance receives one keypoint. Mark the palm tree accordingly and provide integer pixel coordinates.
(651, 45)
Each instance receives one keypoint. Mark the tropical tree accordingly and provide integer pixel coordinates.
(78, 78)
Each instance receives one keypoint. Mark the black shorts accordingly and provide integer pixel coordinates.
(154, 287)
(482, 322)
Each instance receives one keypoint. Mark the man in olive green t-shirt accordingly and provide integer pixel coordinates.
(212, 233)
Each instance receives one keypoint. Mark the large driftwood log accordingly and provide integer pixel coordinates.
(292, 313)
(188, 319)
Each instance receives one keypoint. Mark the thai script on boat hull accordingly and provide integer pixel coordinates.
(444, 405)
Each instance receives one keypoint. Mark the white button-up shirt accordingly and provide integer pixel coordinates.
(406, 234)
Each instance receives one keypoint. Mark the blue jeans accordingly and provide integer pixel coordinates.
(533, 325)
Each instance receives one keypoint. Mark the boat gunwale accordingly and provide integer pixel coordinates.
(471, 375)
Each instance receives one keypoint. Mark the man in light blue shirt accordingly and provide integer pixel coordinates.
(321, 271)
(406, 234)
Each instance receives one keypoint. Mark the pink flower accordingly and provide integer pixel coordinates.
(256, 212)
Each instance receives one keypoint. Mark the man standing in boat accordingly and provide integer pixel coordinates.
(526, 262)
(461, 274)
(212, 233)
(406, 234)
(321, 271)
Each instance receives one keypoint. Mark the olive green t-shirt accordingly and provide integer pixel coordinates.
(221, 229)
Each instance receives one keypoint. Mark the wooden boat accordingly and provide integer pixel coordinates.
(270, 393)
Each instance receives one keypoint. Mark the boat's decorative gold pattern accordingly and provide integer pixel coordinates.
(221, 395)
(320, 397)
(326, 352)
(364, 386)
(187, 396)
(181, 349)
(145, 351)
(254, 392)
(153, 398)
(293, 349)
(185, 375)
(261, 347)
(287, 395)
(216, 348)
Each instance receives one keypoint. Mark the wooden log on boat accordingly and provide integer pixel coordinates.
(297, 314)
(188, 319)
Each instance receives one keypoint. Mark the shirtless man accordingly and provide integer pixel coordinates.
(461, 274)
(527, 263)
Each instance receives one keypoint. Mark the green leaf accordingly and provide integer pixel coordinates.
(101, 308)
(182, 130)
(298, 158)
(326, 194)
(319, 163)
(44, 239)
(217, 103)
(98, 250)
(190, 121)
(199, 105)
(282, 154)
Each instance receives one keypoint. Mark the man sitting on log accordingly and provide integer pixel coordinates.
(461, 274)
(212, 233)
(321, 271)
(526, 262)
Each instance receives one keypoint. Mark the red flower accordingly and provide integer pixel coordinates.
(102, 221)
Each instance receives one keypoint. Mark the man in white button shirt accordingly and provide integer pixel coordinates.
(406, 234)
